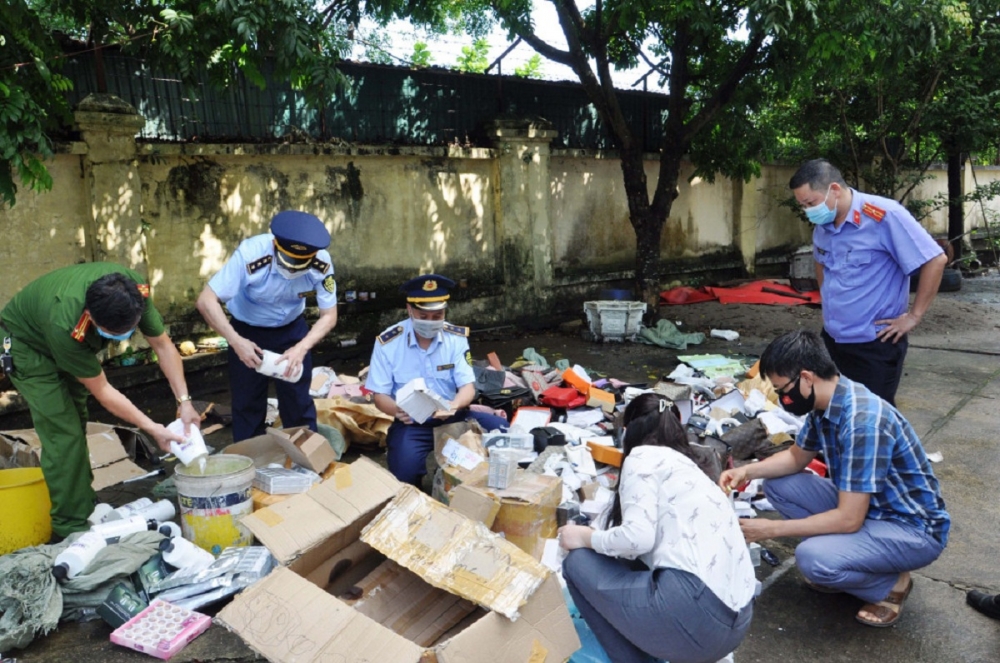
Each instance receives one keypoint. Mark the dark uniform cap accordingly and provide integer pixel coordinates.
(429, 292)
(298, 236)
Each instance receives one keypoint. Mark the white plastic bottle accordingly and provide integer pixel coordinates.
(113, 531)
(70, 562)
(128, 510)
(193, 448)
(170, 530)
(100, 511)
(161, 511)
(180, 553)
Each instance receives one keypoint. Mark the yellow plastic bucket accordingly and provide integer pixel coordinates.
(24, 517)
(213, 499)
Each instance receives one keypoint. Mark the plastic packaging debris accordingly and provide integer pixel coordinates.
(726, 334)
(235, 569)
(935, 457)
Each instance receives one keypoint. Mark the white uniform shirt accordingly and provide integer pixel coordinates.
(673, 516)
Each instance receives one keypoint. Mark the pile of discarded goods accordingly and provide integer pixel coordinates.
(309, 558)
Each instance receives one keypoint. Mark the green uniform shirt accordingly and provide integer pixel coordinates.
(48, 315)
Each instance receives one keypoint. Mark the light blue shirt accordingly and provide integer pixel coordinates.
(867, 264)
(255, 293)
(445, 365)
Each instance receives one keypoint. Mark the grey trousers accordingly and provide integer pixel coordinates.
(866, 563)
(642, 615)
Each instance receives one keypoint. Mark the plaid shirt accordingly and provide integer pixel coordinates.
(870, 448)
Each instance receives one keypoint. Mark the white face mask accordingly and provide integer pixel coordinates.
(290, 274)
(427, 328)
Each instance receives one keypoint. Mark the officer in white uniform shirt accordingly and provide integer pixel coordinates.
(264, 286)
(424, 346)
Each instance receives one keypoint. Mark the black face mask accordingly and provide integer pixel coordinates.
(793, 402)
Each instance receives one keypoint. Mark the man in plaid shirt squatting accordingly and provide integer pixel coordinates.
(878, 516)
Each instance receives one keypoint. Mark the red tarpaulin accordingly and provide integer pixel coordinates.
(757, 292)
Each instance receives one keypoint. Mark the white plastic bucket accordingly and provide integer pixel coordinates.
(212, 503)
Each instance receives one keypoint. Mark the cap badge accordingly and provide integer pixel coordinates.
(430, 285)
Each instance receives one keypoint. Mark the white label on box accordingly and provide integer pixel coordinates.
(455, 454)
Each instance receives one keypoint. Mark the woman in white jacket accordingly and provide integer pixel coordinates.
(669, 575)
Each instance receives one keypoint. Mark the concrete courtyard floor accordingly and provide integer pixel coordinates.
(951, 395)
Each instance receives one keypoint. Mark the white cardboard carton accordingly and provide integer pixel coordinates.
(414, 595)
(419, 401)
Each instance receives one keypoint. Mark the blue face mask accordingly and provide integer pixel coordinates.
(115, 337)
(821, 214)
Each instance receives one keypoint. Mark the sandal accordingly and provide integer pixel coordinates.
(883, 611)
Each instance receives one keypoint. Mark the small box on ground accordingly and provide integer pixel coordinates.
(281, 481)
(614, 320)
(305, 447)
(423, 583)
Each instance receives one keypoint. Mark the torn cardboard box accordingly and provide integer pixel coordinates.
(339, 598)
(305, 447)
(109, 461)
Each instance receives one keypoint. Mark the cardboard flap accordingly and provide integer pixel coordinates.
(104, 445)
(292, 527)
(545, 632)
(287, 618)
(450, 551)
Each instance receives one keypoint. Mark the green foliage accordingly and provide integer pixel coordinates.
(31, 102)
(530, 69)
(474, 59)
(421, 55)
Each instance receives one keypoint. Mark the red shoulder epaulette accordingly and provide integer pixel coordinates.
(143, 289)
(876, 213)
(80, 331)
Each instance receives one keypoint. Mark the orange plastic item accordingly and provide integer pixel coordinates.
(600, 398)
(607, 455)
(573, 379)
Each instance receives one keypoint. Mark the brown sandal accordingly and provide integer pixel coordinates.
(883, 610)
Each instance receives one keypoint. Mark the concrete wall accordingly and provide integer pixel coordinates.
(524, 227)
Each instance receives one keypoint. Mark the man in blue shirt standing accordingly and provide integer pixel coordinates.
(423, 346)
(865, 249)
(264, 286)
(878, 516)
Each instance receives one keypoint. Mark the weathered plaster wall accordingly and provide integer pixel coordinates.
(521, 225)
(389, 216)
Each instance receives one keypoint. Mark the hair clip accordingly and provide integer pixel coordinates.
(663, 405)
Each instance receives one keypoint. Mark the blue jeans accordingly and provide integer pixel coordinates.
(866, 563)
(640, 616)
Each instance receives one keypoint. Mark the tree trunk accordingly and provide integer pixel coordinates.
(956, 213)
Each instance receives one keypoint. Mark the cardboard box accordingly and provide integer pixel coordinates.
(478, 505)
(420, 606)
(600, 398)
(305, 447)
(109, 461)
(527, 515)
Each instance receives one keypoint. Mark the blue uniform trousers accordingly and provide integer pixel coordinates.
(643, 616)
(249, 388)
(407, 445)
(866, 563)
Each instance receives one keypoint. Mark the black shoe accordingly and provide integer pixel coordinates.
(988, 604)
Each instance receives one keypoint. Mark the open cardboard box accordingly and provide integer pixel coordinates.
(109, 461)
(412, 582)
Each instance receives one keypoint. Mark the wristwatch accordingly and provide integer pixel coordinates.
(183, 399)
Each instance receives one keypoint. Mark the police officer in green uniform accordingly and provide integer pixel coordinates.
(53, 328)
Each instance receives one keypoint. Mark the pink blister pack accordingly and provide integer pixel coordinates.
(161, 630)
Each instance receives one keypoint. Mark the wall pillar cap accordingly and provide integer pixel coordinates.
(107, 112)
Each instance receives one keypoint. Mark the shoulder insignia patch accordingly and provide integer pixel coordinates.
(390, 334)
(318, 264)
(856, 219)
(259, 264)
(307, 293)
(143, 289)
(456, 330)
(876, 213)
(80, 331)
(468, 357)
(329, 284)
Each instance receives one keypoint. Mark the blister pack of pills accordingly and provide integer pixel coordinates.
(161, 630)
